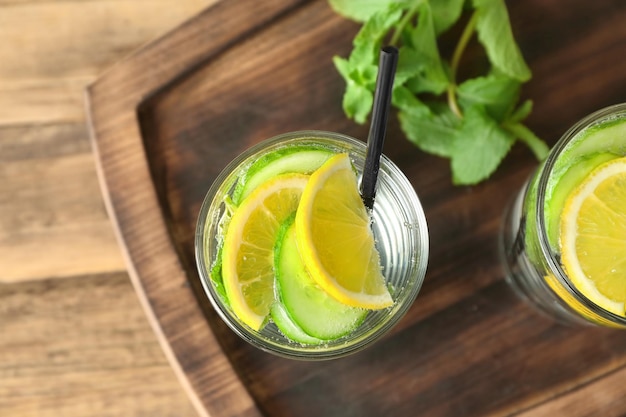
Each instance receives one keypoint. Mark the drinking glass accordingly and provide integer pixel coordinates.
(529, 250)
(399, 228)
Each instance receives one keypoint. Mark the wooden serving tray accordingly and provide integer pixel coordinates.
(166, 120)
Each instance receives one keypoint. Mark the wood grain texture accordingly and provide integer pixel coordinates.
(53, 49)
(45, 100)
(468, 347)
(607, 394)
(65, 352)
(73, 338)
(53, 221)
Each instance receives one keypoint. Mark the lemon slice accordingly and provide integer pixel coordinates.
(248, 250)
(593, 236)
(335, 240)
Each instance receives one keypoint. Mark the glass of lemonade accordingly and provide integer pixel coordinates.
(564, 237)
(291, 259)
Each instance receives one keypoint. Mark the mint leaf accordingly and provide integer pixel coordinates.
(495, 34)
(445, 13)
(360, 69)
(479, 147)
(474, 122)
(410, 64)
(428, 134)
(343, 67)
(432, 130)
(423, 48)
(357, 102)
(420, 73)
(361, 10)
(405, 100)
(364, 74)
(498, 94)
(368, 40)
(358, 98)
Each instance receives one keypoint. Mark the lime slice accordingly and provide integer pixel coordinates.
(593, 236)
(335, 239)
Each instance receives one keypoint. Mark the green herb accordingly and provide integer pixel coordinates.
(475, 122)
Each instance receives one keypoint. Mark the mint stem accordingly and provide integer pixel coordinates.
(403, 22)
(536, 145)
(454, 64)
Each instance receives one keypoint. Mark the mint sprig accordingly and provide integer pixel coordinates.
(473, 122)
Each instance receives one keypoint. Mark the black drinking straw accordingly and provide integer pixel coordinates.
(378, 127)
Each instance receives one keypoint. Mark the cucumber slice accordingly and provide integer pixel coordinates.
(284, 322)
(591, 147)
(302, 159)
(310, 307)
(604, 136)
(562, 187)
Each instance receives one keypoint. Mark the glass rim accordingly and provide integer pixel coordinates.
(298, 351)
(545, 173)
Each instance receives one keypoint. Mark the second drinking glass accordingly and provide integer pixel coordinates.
(564, 238)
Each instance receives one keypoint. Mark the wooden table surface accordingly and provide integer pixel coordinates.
(73, 338)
